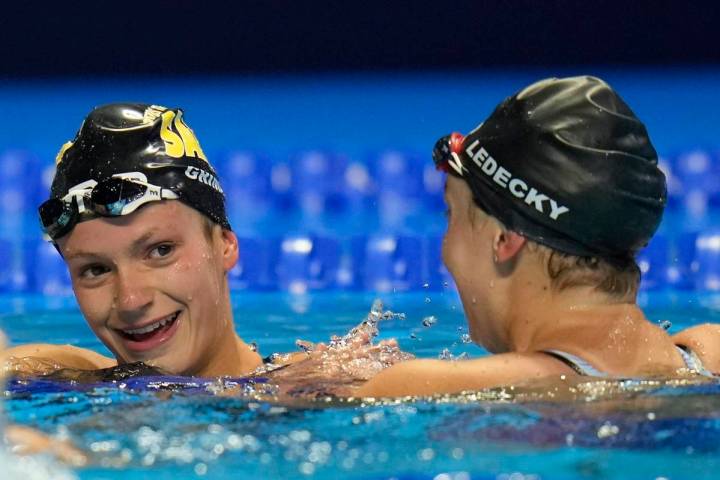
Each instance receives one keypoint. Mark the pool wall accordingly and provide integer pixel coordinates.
(328, 177)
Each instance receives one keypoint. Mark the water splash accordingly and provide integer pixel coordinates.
(340, 365)
(429, 321)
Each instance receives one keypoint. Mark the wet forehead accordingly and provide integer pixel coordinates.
(106, 233)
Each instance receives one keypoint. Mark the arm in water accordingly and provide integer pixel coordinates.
(39, 359)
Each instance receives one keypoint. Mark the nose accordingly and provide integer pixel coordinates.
(133, 291)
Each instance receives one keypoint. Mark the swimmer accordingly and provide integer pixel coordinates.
(548, 202)
(138, 215)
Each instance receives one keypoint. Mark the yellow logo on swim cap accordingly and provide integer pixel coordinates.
(63, 149)
(179, 139)
(152, 113)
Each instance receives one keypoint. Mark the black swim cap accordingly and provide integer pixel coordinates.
(565, 163)
(153, 140)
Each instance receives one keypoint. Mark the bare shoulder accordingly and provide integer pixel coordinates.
(43, 356)
(704, 340)
(427, 376)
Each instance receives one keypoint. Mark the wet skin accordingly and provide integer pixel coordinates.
(513, 311)
(470, 266)
(152, 287)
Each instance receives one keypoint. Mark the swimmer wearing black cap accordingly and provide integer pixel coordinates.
(549, 200)
(148, 272)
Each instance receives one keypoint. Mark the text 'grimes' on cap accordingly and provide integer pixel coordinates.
(154, 141)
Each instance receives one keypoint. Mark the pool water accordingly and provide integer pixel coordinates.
(171, 428)
(311, 238)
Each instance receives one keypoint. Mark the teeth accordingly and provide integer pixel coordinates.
(153, 326)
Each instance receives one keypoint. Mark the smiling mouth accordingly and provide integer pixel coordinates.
(150, 331)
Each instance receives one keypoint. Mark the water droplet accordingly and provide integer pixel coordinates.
(429, 321)
(413, 336)
(253, 346)
(492, 283)
(427, 300)
(426, 285)
(465, 338)
(445, 355)
(474, 300)
(665, 324)
(607, 430)
(445, 284)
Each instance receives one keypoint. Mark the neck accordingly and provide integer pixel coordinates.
(233, 358)
(573, 315)
(230, 355)
(546, 316)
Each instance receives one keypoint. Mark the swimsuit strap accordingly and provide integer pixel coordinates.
(693, 362)
(582, 367)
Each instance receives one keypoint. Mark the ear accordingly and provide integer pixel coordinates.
(507, 244)
(230, 249)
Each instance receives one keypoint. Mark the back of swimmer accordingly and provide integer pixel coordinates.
(549, 200)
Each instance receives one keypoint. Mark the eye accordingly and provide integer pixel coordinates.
(162, 250)
(93, 271)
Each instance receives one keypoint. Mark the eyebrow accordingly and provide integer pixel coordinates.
(136, 245)
(142, 239)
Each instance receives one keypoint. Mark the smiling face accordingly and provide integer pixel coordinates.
(152, 285)
(468, 255)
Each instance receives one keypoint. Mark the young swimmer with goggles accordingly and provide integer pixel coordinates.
(549, 200)
(138, 215)
(151, 282)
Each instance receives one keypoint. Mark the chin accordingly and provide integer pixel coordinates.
(167, 365)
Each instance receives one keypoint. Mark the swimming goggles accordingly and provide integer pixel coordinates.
(115, 196)
(445, 153)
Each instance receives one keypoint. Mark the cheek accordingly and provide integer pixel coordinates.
(195, 278)
(452, 249)
(95, 306)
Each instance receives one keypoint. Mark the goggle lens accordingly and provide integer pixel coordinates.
(57, 217)
(108, 198)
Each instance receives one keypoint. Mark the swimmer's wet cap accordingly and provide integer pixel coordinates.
(119, 139)
(566, 163)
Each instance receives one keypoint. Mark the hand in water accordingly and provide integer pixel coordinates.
(341, 365)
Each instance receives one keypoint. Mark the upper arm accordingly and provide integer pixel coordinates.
(427, 377)
(704, 340)
(59, 356)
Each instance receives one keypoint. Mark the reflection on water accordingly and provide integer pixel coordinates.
(135, 422)
(17, 466)
(663, 428)
(31, 467)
